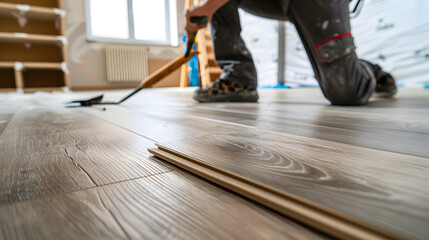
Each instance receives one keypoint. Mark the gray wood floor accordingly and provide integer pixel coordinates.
(86, 173)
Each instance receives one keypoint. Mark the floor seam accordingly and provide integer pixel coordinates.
(129, 130)
(84, 189)
(113, 216)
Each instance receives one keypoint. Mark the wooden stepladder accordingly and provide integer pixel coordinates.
(208, 70)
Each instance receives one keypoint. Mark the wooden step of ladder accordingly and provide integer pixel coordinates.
(208, 70)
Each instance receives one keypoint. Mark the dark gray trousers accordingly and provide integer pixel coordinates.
(324, 28)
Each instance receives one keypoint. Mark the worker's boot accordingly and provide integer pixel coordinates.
(386, 86)
(385, 82)
(238, 80)
(224, 90)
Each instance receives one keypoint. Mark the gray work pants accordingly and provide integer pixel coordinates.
(324, 28)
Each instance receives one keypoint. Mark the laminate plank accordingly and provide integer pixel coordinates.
(407, 137)
(34, 121)
(31, 176)
(407, 111)
(155, 125)
(7, 111)
(51, 151)
(409, 103)
(364, 133)
(400, 126)
(4, 121)
(335, 116)
(172, 205)
(386, 189)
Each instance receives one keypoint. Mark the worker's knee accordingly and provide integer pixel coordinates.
(348, 82)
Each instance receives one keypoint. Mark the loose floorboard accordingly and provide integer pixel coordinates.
(57, 163)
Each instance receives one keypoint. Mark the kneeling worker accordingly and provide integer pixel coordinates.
(324, 28)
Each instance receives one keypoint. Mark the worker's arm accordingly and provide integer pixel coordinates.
(205, 8)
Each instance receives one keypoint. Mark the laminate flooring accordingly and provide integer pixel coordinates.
(85, 172)
(67, 174)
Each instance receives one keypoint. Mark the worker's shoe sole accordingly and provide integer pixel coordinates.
(227, 91)
(232, 97)
(386, 86)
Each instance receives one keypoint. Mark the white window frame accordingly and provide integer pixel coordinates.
(172, 35)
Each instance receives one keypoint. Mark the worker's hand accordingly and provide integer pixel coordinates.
(205, 8)
(198, 11)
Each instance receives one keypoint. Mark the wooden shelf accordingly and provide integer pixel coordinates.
(39, 3)
(34, 51)
(33, 65)
(7, 64)
(31, 90)
(8, 89)
(24, 37)
(37, 65)
(45, 89)
(34, 12)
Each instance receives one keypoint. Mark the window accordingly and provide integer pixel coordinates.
(132, 21)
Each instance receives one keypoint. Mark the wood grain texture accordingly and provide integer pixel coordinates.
(400, 125)
(370, 185)
(407, 136)
(50, 151)
(384, 188)
(7, 111)
(172, 205)
(323, 219)
(4, 121)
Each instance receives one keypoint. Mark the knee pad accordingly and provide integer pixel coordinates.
(335, 48)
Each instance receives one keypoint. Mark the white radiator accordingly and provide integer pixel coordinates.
(126, 63)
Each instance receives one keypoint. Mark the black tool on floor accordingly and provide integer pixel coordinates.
(202, 22)
(154, 77)
(146, 83)
(97, 100)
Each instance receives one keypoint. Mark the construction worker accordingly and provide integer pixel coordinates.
(324, 28)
